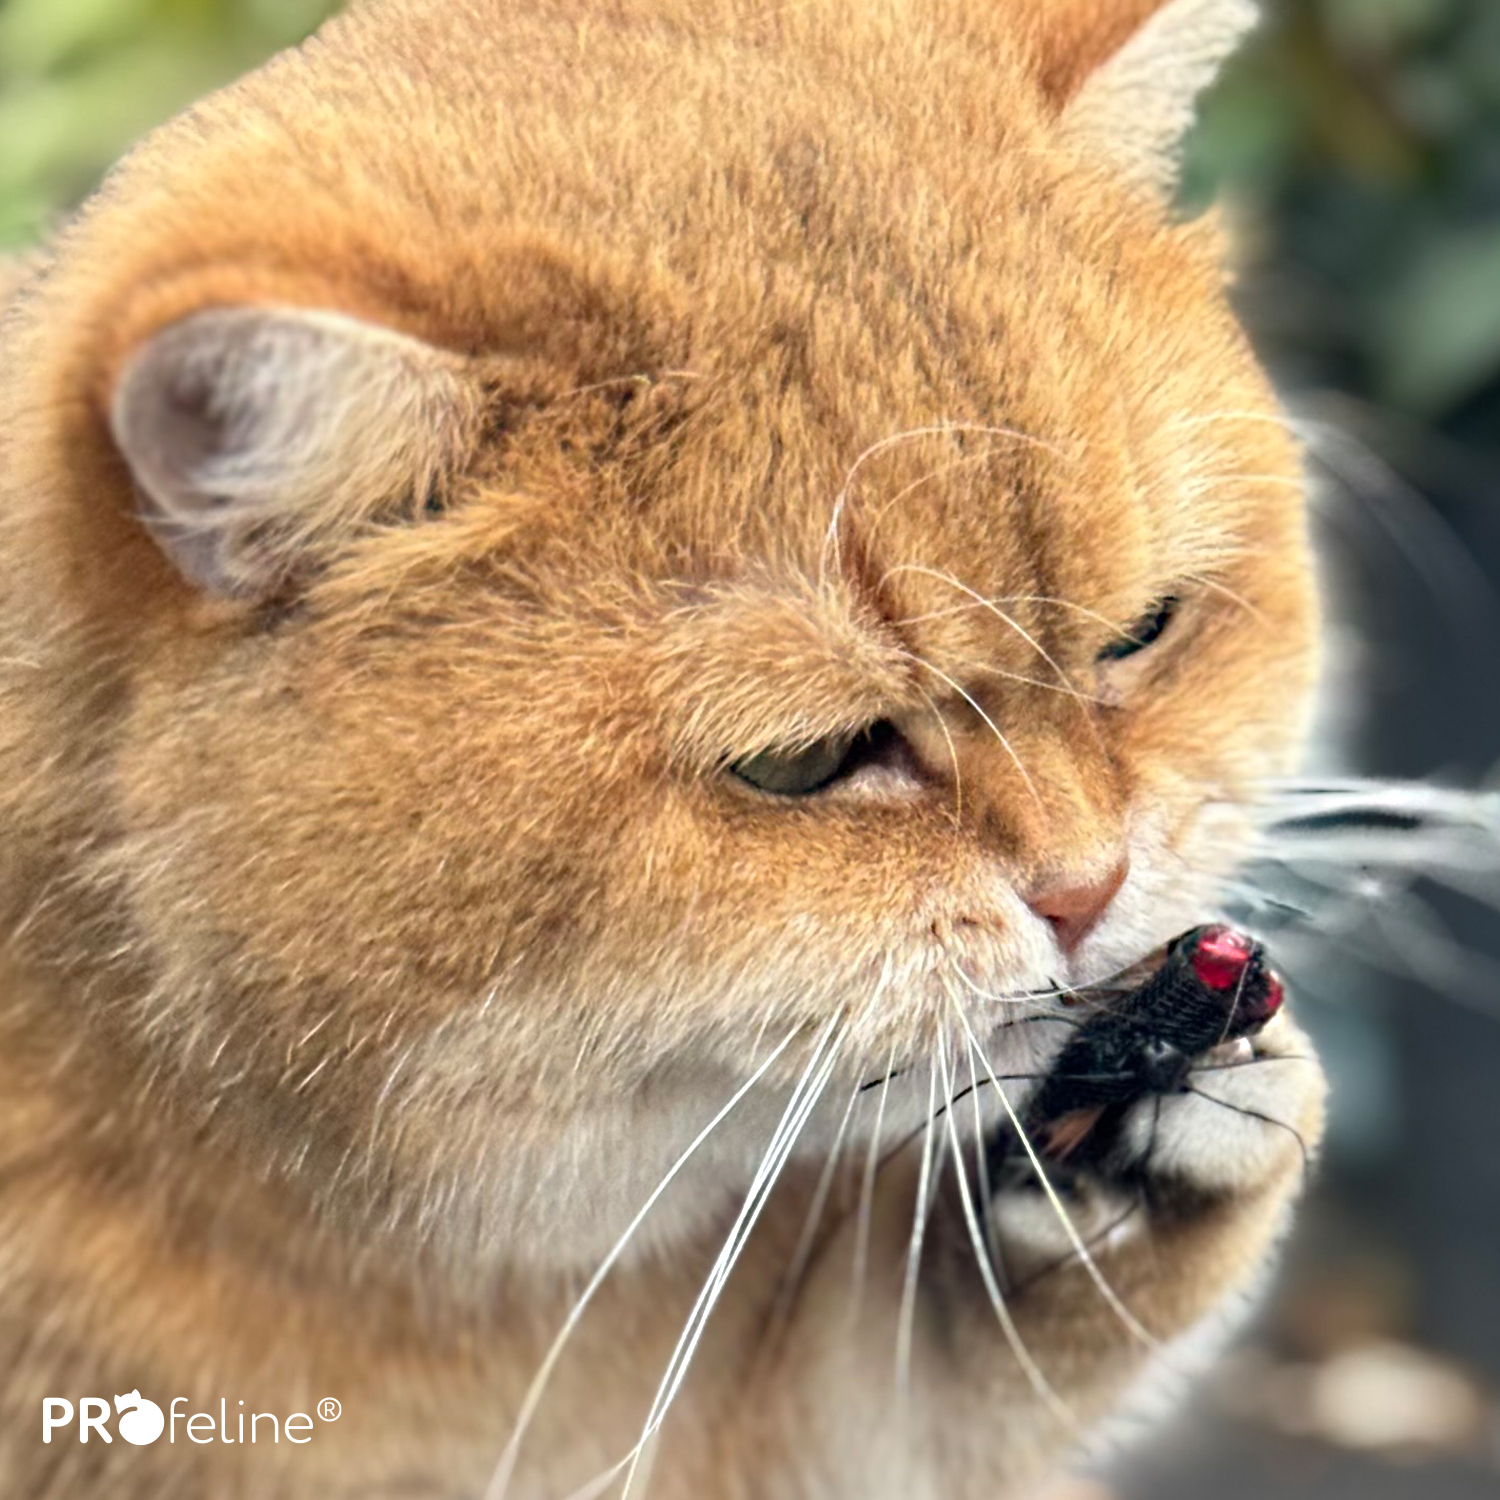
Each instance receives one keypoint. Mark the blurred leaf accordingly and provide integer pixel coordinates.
(82, 79)
(39, 36)
(1368, 25)
(1439, 331)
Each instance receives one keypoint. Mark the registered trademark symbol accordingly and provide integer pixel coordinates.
(329, 1409)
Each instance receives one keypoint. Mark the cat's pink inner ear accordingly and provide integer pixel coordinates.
(256, 436)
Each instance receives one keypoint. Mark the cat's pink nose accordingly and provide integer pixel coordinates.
(1074, 906)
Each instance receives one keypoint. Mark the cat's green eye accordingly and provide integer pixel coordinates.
(798, 773)
(1148, 629)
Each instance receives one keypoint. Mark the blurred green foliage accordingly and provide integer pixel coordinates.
(1361, 136)
(1362, 139)
(81, 79)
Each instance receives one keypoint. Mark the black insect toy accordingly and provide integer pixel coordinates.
(1213, 987)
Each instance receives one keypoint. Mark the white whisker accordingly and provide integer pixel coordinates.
(867, 1190)
(804, 1100)
(914, 1250)
(500, 1480)
(1037, 1380)
(936, 429)
(993, 727)
(958, 781)
(791, 1282)
(981, 602)
(1127, 1318)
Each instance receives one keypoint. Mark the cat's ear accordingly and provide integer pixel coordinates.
(257, 437)
(1126, 75)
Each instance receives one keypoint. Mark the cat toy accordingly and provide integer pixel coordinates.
(1213, 988)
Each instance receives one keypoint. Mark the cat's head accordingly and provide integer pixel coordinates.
(551, 567)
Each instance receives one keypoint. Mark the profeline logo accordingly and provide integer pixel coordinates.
(142, 1421)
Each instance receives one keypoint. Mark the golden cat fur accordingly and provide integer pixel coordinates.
(425, 468)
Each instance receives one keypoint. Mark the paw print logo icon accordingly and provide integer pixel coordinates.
(141, 1421)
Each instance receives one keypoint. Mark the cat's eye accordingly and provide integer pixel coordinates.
(810, 767)
(799, 772)
(1147, 630)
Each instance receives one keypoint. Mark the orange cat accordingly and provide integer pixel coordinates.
(570, 566)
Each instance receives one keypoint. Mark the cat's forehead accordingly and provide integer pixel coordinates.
(1066, 470)
(1011, 467)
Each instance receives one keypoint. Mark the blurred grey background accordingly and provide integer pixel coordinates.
(1357, 143)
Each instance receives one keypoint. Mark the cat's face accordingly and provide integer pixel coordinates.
(852, 457)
